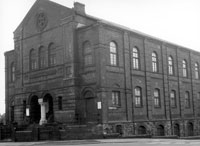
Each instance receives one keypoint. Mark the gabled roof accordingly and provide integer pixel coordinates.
(35, 5)
(109, 23)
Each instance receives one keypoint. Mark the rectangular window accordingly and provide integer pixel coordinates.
(135, 63)
(173, 98)
(154, 62)
(113, 59)
(88, 59)
(33, 64)
(113, 53)
(42, 62)
(187, 100)
(157, 98)
(196, 69)
(170, 66)
(135, 58)
(138, 97)
(116, 98)
(184, 64)
(52, 59)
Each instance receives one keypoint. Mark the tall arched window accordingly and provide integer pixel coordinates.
(187, 99)
(154, 62)
(42, 61)
(184, 65)
(136, 58)
(113, 53)
(12, 75)
(170, 65)
(33, 60)
(138, 97)
(173, 98)
(87, 53)
(52, 54)
(196, 69)
(156, 98)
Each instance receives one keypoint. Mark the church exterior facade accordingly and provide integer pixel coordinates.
(70, 68)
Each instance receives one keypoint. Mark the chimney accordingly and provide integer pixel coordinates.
(79, 8)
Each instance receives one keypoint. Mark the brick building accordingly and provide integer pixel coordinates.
(71, 68)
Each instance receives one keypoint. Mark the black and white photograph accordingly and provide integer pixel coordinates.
(100, 72)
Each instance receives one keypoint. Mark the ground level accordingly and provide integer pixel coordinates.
(110, 142)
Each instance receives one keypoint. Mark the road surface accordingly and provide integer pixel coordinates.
(109, 142)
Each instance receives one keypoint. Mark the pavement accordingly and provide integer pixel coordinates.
(109, 142)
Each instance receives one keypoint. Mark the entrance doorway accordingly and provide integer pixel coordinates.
(160, 130)
(190, 129)
(34, 110)
(49, 108)
(176, 130)
(90, 107)
(141, 130)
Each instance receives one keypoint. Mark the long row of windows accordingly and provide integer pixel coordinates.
(116, 101)
(42, 57)
(154, 61)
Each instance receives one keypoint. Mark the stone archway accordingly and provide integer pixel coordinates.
(35, 113)
(160, 130)
(142, 130)
(190, 129)
(48, 100)
(177, 129)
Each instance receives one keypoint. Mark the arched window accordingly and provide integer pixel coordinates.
(170, 65)
(173, 98)
(87, 53)
(187, 99)
(60, 103)
(138, 97)
(196, 69)
(156, 98)
(12, 68)
(52, 54)
(136, 58)
(42, 61)
(33, 60)
(154, 62)
(113, 54)
(184, 65)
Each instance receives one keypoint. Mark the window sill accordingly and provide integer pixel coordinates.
(113, 107)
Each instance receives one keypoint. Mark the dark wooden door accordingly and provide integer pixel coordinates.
(91, 110)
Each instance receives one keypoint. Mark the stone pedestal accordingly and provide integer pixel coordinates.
(43, 119)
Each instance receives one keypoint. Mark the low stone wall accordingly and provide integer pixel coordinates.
(23, 136)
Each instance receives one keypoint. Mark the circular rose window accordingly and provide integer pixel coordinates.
(41, 21)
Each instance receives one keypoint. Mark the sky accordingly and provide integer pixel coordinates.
(176, 21)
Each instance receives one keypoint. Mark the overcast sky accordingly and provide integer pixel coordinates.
(177, 21)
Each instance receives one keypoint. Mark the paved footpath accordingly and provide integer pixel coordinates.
(109, 142)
